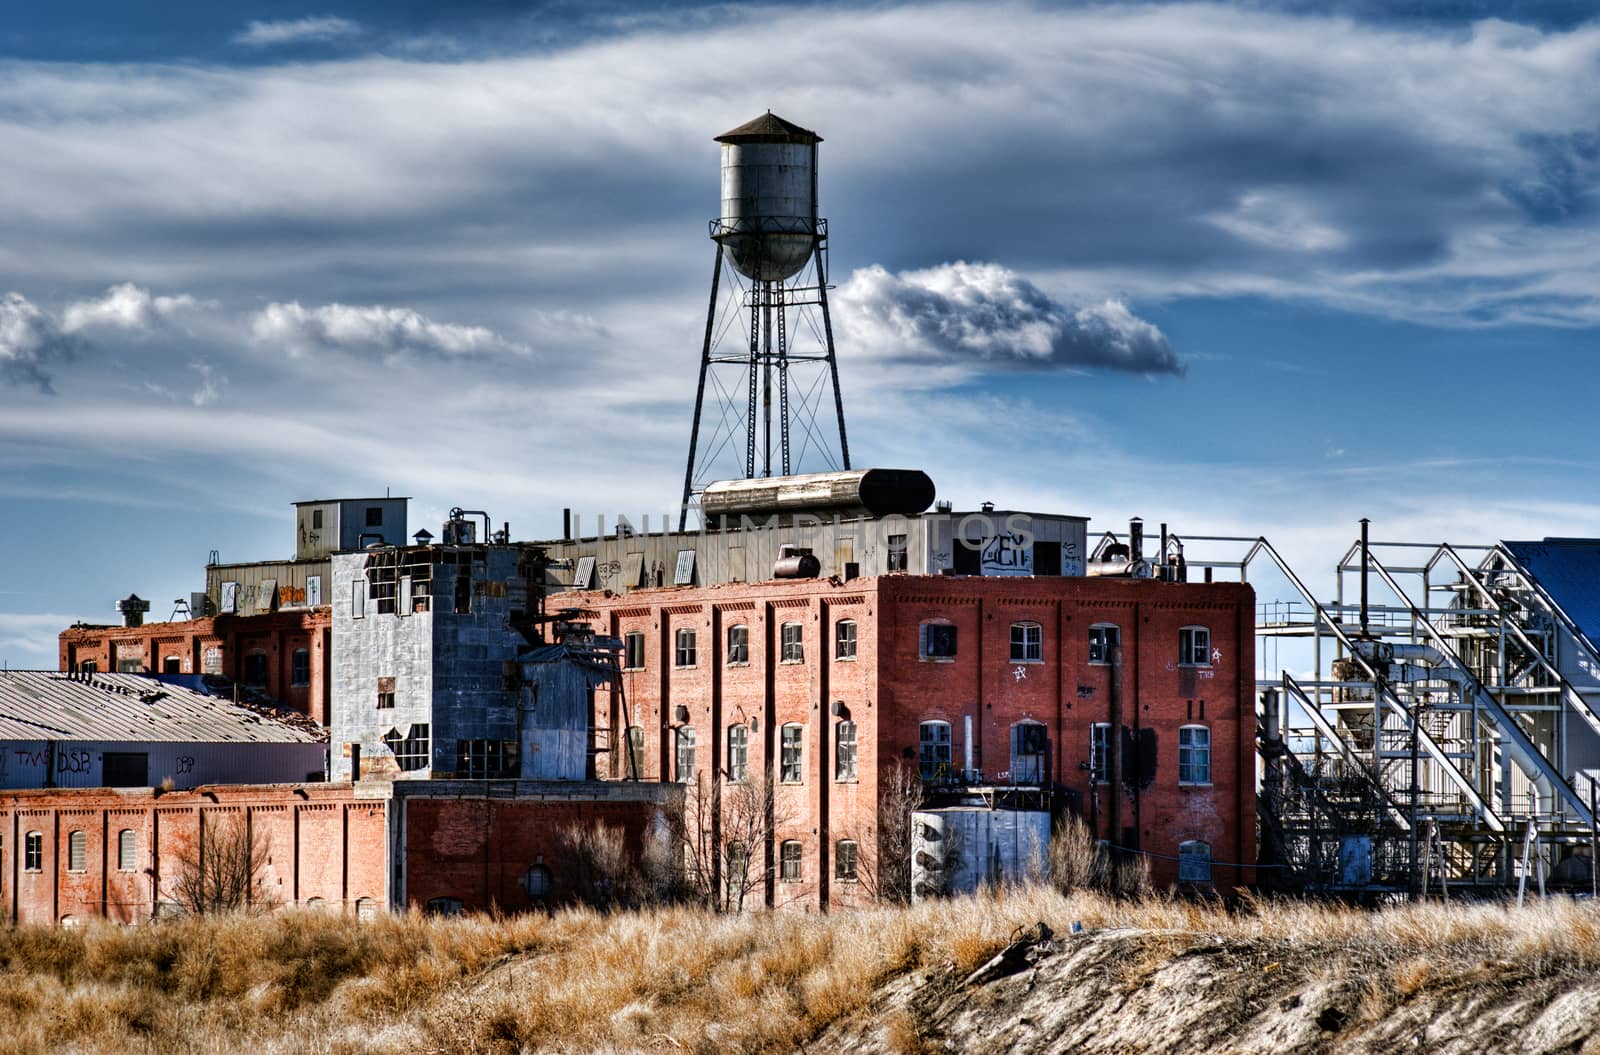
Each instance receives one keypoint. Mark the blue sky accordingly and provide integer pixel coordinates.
(1246, 268)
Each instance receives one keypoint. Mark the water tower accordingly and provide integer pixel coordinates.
(775, 249)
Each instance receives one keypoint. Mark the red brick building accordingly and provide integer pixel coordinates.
(829, 685)
(284, 654)
(68, 855)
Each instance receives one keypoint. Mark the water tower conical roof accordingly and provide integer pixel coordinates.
(769, 128)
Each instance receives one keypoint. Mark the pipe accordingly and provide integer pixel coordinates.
(566, 523)
(1161, 561)
(457, 513)
(1365, 565)
(1136, 538)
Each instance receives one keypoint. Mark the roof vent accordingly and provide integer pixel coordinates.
(133, 607)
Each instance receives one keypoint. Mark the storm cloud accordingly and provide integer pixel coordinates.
(981, 314)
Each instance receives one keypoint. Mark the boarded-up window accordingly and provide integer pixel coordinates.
(267, 595)
(314, 590)
(127, 850)
(77, 852)
(366, 909)
(632, 570)
(583, 575)
(358, 599)
(1194, 862)
(230, 598)
(683, 574)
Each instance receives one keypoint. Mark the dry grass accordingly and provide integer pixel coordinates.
(671, 979)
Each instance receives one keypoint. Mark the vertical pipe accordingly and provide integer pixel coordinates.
(1365, 566)
(1113, 760)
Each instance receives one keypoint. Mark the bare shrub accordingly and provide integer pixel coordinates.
(884, 859)
(603, 872)
(726, 834)
(220, 870)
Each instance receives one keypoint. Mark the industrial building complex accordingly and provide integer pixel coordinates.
(743, 699)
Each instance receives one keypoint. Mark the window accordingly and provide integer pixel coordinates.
(88, 666)
(635, 752)
(374, 516)
(461, 592)
(790, 759)
(300, 667)
(738, 871)
(413, 751)
(316, 519)
(536, 881)
(844, 639)
(444, 906)
(844, 860)
(1194, 861)
(1027, 643)
(1029, 746)
(77, 852)
(1194, 646)
(738, 752)
(897, 553)
(366, 909)
(934, 750)
(125, 769)
(1099, 739)
(127, 850)
(1103, 637)
(844, 751)
(385, 694)
(633, 650)
(685, 650)
(938, 641)
(793, 648)
(172, 665)
(33, 852)
(789, 861)
(486, 759)
(686, 755)
(1194, 755)
(255, 669)
(358, 599)
(738, 646)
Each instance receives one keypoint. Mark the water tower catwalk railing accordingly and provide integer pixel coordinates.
(1434, 712)
(773, 249)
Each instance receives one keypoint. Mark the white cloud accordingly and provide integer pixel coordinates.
(986, 315)
(311, 29)
(29, 641)
(125, 307)
(31, 342)
(373, 330)
(212, 382)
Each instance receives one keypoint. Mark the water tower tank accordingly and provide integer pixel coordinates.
(769, 197)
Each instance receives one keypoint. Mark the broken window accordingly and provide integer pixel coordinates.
(1194, 861)
(385, 693)
(635, 753)
(793, 736)
(896, 553)
(789, 858)
(685, 652)
(444, 906)
(1194, 755)
(33, 852)
(77, 852)
(633, 650)
(255, 670)
(738, 645)
(300, 667)
(792, 638)
(1029, 745)
(374, 516)
(685, 755)
(1194, 646)
(937, 641)
(172, 665)
(1027, 643)
(844, 751)
(127, 850)
(463, 591)
(934, 750)
(738, 752)
(1047, 558)
(844, 860)
(1103, 637)
(1099, 749)
(844, 639)
(413, 751)
(486, 759)
(386, 567)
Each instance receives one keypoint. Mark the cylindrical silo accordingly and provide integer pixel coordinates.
(768, 224)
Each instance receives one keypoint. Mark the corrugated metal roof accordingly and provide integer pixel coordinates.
(1568, 570)
(50, 705)
(769, 128)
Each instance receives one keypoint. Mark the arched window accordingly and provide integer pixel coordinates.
(844, 639)
(1027, 643)
(316, 904)
(77, 852)
(444, 906)
(1194, 862)
(685, 755)
(1194, 754)
(366, 909)
(789, 862)
(1029, 747)
(738, 646)
(1194, 646)
(844, 751)
(792, 640)
(127, 850)
(255, 670)
(33, 852)
(936, 640)
(844, 860)
(934, 750)
(1103, 637)
(171, 665)
(300, 667)
(536, 881)
(790, 744)
(738, 752)
(684, 655)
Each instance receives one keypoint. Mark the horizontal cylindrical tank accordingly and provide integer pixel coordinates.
(768, 224)
(879, 492)
(801, 565)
